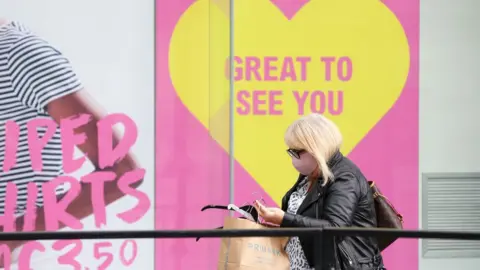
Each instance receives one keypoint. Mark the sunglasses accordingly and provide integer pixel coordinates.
(295, 153)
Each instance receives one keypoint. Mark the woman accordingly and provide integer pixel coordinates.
(38, 82)
(330, 192)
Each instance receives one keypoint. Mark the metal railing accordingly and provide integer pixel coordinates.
(320, 234)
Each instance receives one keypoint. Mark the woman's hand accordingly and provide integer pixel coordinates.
(271, 215)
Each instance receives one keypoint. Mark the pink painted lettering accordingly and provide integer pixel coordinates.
(301, 99)
(70, 257)
(303, 60)
(252, 68)
(40, 131)
(321, 102)
(35, 143)
(288, 70)
(344, 68)
(108, 152)
(274, 102)
(269, 68)
(317, 102)
(244, 107)
(99, 254)
(335, 107)
(31, 212)
(137, 212)
(97, 181)
(7, 221)
(328, 60)
(258, 101)
(57, 210)
(70, 140)
(237, 71)
(11, 145)
(6, 256)
(26, 253)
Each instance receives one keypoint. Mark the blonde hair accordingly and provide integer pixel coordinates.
(318, 136)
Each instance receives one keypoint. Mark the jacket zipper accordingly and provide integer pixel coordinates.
(345, 254)
(350, 262)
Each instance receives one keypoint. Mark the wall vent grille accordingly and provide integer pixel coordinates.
(451, 201)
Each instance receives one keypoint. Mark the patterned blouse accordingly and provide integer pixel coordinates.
(298, 261)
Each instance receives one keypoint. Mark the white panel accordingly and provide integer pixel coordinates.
(111, 45)
(449, 98)
(451, 202)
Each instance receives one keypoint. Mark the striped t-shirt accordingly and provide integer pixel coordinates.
(32, 74)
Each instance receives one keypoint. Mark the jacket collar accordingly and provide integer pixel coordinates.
(334, 159)
(315, 193)
(318, 191)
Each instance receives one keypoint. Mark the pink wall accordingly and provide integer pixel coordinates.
(192, 169)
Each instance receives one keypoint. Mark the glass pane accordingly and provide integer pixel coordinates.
(193, 46)
(355, 62)
(72, 66)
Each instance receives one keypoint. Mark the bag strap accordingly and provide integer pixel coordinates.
(377, 193)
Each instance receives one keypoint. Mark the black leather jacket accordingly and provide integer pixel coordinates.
(345, 202)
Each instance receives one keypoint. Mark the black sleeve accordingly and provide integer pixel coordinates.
(339, 206)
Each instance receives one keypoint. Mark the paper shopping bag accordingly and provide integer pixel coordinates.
(252, 253)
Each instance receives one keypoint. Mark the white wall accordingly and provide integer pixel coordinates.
(449, 96)
(111, 45)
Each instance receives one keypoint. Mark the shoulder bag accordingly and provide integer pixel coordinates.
(387, 216)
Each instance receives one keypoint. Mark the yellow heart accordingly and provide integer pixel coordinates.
(364, 34)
